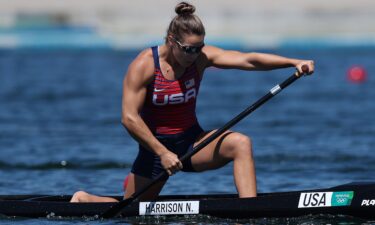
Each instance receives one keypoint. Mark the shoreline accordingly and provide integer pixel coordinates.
(89, 39)
(125, 24)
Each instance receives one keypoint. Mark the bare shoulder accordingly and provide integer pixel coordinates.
(142, 67)
(210, 53)
(203, 61)
(221, 58)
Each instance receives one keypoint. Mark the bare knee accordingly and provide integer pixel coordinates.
(239, 145)
(80, 196)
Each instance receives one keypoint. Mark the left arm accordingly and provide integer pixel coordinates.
(252, 61)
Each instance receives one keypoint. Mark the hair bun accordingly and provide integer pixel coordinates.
(184, 8)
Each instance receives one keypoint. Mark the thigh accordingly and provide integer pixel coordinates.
(136, 182)
(212, 156)
(147, 164)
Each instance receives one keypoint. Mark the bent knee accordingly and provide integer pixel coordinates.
(239, 144)
(238, 140)
(241, 139)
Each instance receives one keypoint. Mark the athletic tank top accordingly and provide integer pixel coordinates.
(170, 104)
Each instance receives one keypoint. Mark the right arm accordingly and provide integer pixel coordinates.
(139, 74)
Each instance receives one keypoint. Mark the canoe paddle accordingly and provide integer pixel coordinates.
(117, 208)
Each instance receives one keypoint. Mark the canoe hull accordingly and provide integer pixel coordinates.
(356, 199)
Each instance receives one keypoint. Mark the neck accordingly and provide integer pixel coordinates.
(171, 59)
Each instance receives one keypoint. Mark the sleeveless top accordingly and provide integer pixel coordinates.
(169, 106)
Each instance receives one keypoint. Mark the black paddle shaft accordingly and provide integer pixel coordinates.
(117, 208)
(275, 90)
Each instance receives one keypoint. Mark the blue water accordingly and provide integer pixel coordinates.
(60, 127)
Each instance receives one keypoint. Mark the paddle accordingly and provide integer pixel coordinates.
(117, 208)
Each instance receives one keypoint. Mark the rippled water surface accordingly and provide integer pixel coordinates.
(60, 127)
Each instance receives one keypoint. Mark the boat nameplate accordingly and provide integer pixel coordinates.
(169, 208)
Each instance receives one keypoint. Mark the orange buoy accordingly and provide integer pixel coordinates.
(357, 74)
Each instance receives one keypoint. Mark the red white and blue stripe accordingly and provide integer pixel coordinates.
(170, 104)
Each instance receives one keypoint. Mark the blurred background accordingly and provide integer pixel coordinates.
(134, 24)
(62, 65)
(61, 69)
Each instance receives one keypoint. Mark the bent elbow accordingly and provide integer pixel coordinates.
(123, 122)
(127, 120)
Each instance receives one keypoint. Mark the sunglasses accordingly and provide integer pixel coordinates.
(189, 49)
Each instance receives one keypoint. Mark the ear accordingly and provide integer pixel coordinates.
(170, 40)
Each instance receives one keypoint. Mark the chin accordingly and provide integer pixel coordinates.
(186, 63)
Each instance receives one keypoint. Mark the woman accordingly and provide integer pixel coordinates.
(158, 108)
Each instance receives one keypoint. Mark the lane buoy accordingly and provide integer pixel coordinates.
(357, 74)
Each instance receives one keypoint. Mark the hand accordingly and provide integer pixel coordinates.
(305, 67)
(170, 162)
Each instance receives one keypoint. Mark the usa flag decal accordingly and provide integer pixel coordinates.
(190, 83)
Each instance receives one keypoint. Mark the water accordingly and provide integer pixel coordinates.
(60, 127)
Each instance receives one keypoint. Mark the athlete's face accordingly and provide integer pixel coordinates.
(187, 50)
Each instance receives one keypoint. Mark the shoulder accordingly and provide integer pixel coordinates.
(143, 62)
(221, 58)
(142, 68)
(212, 51)
(209, 53)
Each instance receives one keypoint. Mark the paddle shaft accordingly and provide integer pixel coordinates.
(275, 90)
(114, 210)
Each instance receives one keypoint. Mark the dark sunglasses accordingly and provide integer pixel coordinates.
(189, 49)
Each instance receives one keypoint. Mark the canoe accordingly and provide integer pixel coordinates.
(353, 199)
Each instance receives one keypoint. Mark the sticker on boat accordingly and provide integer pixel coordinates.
(368, 202)
(325, 199)
(169, 208)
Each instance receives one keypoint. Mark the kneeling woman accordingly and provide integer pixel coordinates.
(158, 108)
